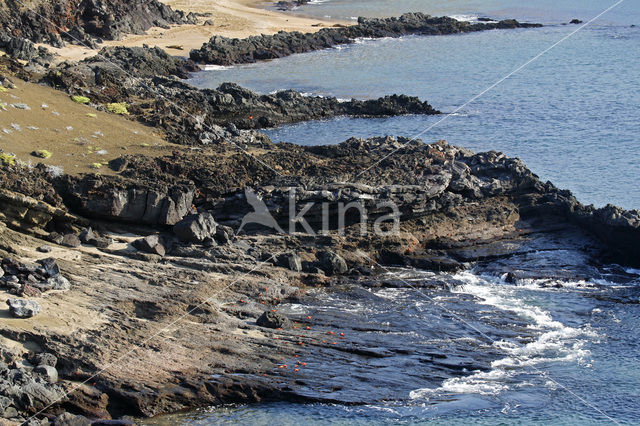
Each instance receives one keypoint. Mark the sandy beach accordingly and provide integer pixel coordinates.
(231, 18)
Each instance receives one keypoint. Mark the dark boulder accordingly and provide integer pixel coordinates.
(71, 240)
(196, 228)
(270, 319)
(87, 236)
(331, 263)
(50, 266)
(290, 261)
(151, 244)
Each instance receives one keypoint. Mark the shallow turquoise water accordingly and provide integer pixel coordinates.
(572, 115)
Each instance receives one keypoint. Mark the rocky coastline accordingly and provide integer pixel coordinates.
(146, 226)
(139, 291)
(226, 51)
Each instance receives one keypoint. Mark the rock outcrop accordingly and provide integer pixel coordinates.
(189, 115)
(227, 51)
(116, 199)
(57, 21)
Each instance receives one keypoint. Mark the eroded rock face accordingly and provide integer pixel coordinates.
(129, 202)
(226, 51)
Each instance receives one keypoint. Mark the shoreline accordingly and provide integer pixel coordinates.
(231, 18)
(150, 246)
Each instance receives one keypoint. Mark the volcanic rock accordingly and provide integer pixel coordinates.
(270, 319)
(22, 308)
(195, 228)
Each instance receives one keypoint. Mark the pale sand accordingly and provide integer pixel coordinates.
(231, 18)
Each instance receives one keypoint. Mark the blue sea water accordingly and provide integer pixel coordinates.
(562, 350)
(572, 115)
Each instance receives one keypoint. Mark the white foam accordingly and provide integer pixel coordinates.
(482, 382)
(216, 67)
(555, 343)
(467, 18)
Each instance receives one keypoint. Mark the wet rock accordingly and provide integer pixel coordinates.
(433, 263)
(331, 263)
(71, 240)
(23, 308)
(291, 261)
(150, 244)
(270, 319)
(48, 372)
(195, 228)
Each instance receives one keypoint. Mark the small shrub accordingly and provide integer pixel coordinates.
(80, 99)
(3, 89)
(42, 153)
(7, 159)
(119, 108)
(95, 166)
(92, 115)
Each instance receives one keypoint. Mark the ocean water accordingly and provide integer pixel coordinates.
(471, 348)
(572, 115)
